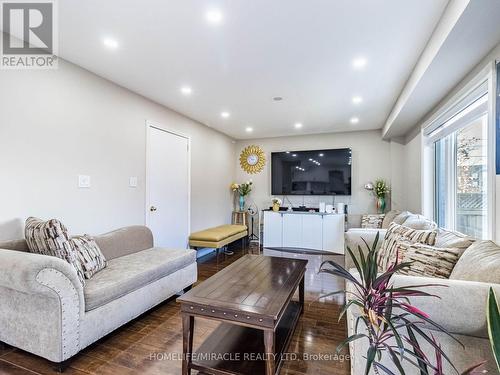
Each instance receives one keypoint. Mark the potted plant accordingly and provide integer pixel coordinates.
(276, 204)
(243, 190)
(385, 312)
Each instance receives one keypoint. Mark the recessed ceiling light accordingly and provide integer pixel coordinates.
(225, 114)
(298, 125)
(249, 129)
(357, 99)
(359, 62)
(214, 16)
(186, 90)
(354, 120)
(278, 98)
(110, 43)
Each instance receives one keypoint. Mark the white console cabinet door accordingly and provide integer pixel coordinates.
(292, 230)
(333, 233)
(273, 229)
(312, 232)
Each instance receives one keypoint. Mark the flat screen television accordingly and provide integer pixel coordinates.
(316, 172)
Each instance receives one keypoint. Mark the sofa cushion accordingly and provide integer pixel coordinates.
(18, 245)
(427, 261)
(420, 222)
(448, 238)
(372, 220)
(395, 233)
(134, 271)
(401, 217)
(125, 241)
(480, 262)
(88, 255)
(51, 238)
(389, 218)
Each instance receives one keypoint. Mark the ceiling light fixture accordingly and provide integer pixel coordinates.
(110, 43)
(298, 125)
(354, 120)
(214, 16)
(249, 129)
(186, 90)
(359, 63)
(225, 114)
(357, 99)
(278, 98)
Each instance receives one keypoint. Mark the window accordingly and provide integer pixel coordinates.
(462, 165)
(461, 177)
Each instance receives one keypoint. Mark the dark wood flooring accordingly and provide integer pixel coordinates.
(145, 345)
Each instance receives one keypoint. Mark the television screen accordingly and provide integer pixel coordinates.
(318, 172)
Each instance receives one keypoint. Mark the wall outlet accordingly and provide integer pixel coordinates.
(132, 182)
(83, 181)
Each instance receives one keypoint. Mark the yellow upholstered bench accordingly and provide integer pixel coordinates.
(218, 237)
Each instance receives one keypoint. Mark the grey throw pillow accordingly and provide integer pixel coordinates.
(51, 238)
(480, 262)
(88, 254)
(389, 218)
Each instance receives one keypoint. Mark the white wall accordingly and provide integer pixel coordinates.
(56, 124)
(371, 159)
(412, 157)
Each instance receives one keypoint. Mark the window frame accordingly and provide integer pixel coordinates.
(471, 91)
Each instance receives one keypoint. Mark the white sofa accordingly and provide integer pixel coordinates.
(45, 310)
(460, 308)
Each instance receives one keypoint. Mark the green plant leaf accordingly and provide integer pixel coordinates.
(370, 357)
(348, 340)
(493, 318)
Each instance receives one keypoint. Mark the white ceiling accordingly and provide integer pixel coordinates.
(300, 50)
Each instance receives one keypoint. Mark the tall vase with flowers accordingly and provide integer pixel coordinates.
(380, 190)
(243, 190)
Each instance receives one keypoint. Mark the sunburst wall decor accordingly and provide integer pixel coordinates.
(252, 159)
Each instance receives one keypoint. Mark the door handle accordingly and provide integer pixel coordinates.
(152, 209)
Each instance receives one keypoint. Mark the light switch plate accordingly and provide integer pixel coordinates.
(132, 182)
(83, 181)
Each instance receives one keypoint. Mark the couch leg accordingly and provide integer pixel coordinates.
(61, 366)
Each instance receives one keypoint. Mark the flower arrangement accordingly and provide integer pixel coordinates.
(277, 201)
(380, 188)
(242, 189)
(276, 204)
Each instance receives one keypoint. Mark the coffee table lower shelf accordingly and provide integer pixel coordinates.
(234, 349)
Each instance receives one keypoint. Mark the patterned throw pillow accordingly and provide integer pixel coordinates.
(88, 254)
(395, 233)
(372, 221)
(427, 261)
(51, 238)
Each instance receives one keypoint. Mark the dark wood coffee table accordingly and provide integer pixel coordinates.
(252, 298)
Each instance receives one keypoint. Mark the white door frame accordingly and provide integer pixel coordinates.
(149, 126)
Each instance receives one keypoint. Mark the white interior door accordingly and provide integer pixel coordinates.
(168, 188)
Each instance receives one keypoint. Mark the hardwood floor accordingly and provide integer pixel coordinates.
(147, 344)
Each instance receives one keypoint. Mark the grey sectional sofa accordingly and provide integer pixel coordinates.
(460, 308)
(45, 310)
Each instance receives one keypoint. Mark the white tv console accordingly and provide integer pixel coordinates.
(304, 230)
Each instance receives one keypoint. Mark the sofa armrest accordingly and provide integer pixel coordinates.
(35, 287)
(354, 238)
(460, 307)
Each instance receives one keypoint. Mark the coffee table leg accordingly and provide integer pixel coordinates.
(269, 347)
(301, 294)
(187, 342)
